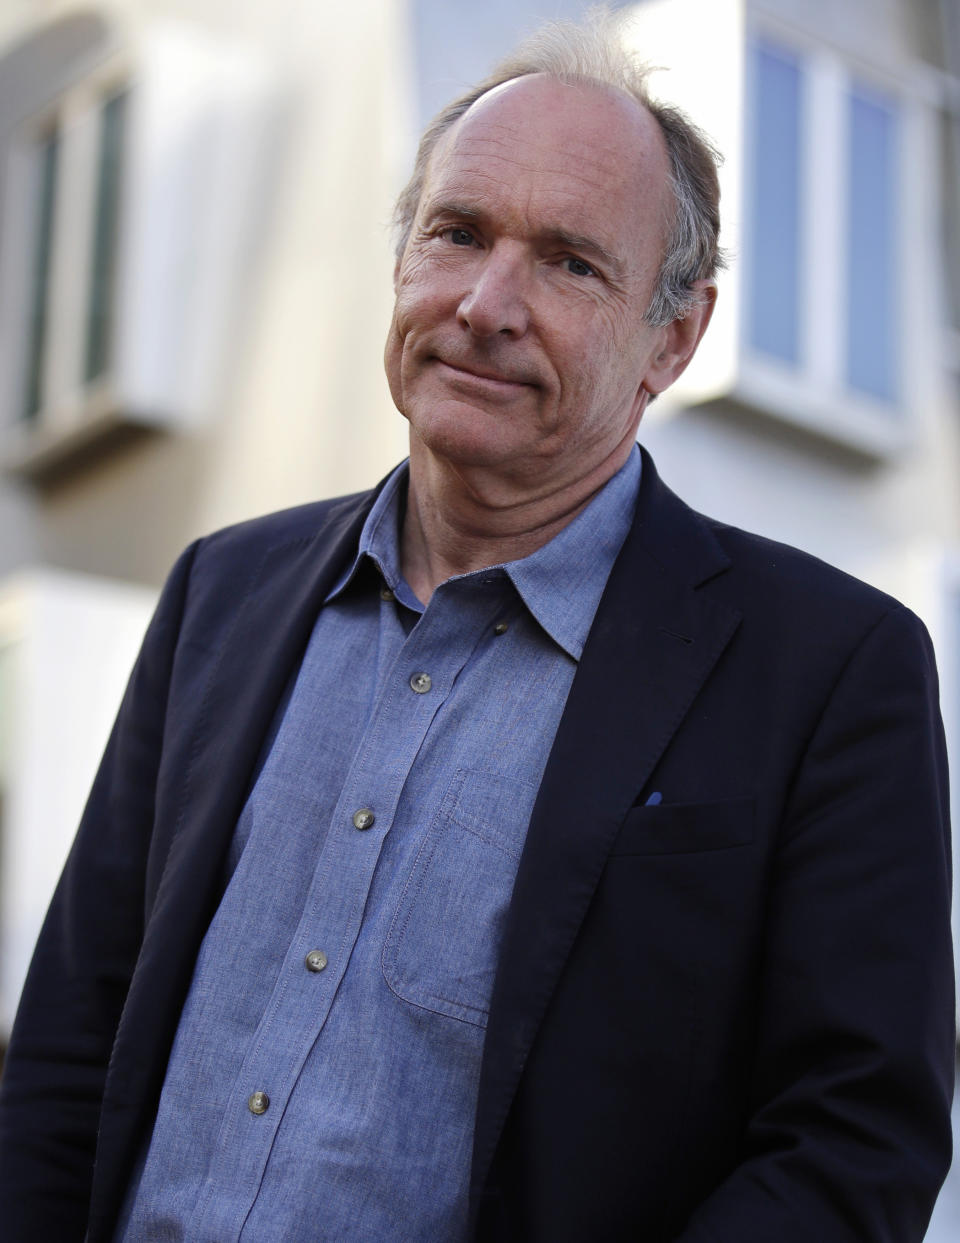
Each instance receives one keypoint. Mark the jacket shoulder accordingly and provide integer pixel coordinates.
(302, 522)
(783, 567)
(754, 574)
(793, 599)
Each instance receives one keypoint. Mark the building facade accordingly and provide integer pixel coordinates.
(195, 269)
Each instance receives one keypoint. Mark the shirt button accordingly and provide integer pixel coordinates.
(363, 819)
(316, 960)
(421, 683)
(501, 628)
(386, 594)
(258, 1103)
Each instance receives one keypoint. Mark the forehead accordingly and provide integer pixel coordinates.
(585, 154)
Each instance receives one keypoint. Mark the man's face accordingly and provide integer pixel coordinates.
(518, 342)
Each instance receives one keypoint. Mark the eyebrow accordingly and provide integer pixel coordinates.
(557, 237)
(447, 207)
(578, 241)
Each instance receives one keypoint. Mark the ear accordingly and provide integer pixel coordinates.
(680, 340)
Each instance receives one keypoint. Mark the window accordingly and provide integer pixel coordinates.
(836, 194)
(63, 231)
(833, 190)
(865, 190)
(47, 154)
(74, 156)
(132, 187)
(101, 301)
(775, 288)
(872, 363)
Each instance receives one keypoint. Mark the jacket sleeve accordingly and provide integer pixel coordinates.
(77, 983)
(848, 1138)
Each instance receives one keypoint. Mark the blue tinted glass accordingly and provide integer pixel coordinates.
(872, 353)
(774, 292)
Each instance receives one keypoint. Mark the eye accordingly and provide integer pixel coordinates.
(578, 268)
(458, 237)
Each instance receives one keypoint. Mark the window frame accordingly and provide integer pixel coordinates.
(814, 393)
(72, 408)
(202, 121)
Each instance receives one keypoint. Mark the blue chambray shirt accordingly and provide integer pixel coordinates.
(323, 1079)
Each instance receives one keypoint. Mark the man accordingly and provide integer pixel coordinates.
(511, 853)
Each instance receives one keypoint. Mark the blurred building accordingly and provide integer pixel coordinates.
(195, 287)
(195, 269)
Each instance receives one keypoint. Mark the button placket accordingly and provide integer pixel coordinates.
(400, 713)
(322, 969)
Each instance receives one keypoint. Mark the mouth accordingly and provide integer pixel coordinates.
(480, 377)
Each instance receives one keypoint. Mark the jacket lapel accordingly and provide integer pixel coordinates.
(256, 661)
(252, 671)
(653, 643)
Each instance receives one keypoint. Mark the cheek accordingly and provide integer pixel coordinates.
(393, 362)
(602, 388)
(621, 354)
(415, 312)
(588, 357)
(410, 316)
(423, 285)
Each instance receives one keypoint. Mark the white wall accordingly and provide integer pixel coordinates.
(67, 643)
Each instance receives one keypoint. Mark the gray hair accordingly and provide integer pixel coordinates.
(594, 54)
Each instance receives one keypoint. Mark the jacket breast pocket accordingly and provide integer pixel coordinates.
(441, 950)
(686, 828)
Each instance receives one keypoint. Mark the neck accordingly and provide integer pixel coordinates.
(460, 519)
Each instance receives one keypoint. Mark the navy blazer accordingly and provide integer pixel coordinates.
(723, 1011)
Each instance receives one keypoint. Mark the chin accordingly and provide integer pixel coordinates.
(463, 436)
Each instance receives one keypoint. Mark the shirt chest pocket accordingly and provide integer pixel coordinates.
(442, 947)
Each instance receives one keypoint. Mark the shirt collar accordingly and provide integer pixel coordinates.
(561, 583)
(380, 540)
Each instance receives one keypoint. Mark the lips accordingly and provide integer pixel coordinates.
(469, 372)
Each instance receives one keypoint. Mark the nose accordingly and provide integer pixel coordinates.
(497, 298)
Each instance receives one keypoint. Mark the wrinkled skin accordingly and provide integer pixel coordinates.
(518, 349)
